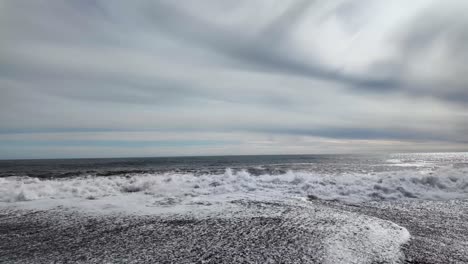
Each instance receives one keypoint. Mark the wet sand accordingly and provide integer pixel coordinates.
(246, 232)
(439, 229)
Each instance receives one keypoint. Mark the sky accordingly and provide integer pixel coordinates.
(95, 78)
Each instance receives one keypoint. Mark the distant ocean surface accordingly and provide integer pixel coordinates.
(348, 178)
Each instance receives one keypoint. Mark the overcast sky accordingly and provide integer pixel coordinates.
(112, 78)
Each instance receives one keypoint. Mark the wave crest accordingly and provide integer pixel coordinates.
(440, 184)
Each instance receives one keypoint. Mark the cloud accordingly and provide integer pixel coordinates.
(246, 71)
(431, 52)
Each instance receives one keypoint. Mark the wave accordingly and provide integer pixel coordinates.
(439, 184)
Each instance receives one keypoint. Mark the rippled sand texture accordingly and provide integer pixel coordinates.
(439, 229)
(246, 232)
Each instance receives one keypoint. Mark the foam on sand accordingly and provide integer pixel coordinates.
(243, 231)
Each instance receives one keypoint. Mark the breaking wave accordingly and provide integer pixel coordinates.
(439, 184)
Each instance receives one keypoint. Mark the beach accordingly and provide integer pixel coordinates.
(247, 232)
(405, 208)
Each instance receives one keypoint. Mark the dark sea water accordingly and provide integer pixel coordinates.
(256, 165)
(275, 164)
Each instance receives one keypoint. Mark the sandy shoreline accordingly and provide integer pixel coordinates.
(439, 229)
(247, 232)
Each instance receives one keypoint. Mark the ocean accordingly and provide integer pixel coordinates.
(382, 208)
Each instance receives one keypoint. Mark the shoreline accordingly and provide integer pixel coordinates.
(439, 229)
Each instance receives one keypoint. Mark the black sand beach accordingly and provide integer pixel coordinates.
(439, 229)
(262, 233)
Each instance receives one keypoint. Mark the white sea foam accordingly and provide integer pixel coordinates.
(349, 237)
(440, 184)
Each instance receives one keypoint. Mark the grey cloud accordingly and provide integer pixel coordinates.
(163, 66)
(370, 134)
(433, 52)
(265, 51)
